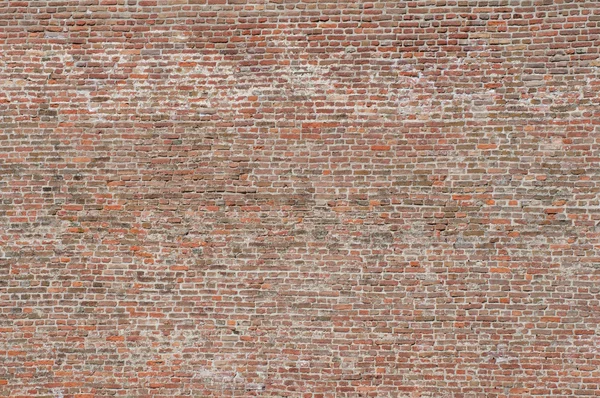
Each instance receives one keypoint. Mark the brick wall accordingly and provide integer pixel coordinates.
(314, 199)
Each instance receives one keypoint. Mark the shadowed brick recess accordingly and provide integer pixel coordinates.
(312, 199)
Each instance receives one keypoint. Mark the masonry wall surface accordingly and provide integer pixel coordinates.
(313, 199)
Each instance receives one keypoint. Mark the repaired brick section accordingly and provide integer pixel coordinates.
(217, 198)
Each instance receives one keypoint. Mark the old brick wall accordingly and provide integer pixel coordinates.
(313, 198)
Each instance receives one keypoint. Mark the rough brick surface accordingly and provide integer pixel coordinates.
(209, 198)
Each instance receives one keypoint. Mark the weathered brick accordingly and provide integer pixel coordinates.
(317, 198)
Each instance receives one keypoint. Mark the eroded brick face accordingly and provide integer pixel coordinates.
(299, 198)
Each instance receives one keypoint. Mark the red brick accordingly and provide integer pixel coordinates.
(299, 198)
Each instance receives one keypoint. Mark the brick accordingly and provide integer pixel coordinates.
(380, 147)
(299, 198)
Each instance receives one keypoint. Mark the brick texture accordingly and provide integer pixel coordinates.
(314, 199)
